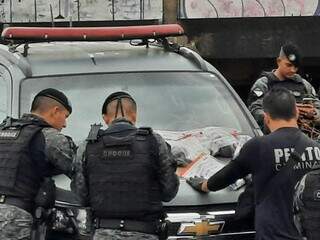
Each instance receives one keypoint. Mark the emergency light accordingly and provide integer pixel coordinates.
(91, 33)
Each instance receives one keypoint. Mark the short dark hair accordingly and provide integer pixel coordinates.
(43, 104)
(280, 104)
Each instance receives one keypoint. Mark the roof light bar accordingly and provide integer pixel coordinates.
(91, 33)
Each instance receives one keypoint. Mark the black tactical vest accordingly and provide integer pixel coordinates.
(307, 205)
(18, 174)
(122, 174)
(297, 88)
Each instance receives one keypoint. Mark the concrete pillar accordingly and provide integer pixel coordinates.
(170, 15)
(170, 11)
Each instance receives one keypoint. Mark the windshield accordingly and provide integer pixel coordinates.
(172, 101)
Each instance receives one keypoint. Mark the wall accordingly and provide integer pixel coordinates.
(101, 10)
(78, 10)
(248, 8)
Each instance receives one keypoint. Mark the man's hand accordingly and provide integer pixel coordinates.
(196, 183)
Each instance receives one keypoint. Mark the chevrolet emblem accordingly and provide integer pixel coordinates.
(200, 228)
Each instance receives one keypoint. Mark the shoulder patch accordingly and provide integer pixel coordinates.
(296, 93)
(258, 92)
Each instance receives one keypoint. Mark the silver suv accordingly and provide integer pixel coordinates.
(175, 90)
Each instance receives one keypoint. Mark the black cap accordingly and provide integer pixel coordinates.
(291, 52)
(56, 95)
(114, 96)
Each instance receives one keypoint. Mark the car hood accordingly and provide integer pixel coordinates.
(198, 147)
(186, 195)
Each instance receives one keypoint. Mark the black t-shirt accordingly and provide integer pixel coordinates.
(264, 157)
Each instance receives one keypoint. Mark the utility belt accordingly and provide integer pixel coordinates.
(26, 205)
(155, 227)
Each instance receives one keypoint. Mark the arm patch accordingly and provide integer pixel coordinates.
(258, 92)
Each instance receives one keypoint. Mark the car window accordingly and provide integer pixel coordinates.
(3, 96)
(166, 101)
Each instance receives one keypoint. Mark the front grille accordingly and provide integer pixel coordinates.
(200, 222)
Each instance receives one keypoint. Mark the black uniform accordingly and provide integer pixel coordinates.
(298, 86)
(127, 173)
(264, 157)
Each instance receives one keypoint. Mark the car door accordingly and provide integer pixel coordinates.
(5, 100)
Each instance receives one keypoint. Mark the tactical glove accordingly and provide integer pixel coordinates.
(196, 182)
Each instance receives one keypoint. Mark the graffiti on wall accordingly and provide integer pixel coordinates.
(78, 10)
(102, 10)
(248, 8)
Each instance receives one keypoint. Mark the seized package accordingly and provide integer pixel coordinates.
(203, 152)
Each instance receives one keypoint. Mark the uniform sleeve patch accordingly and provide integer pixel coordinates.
(258, 92)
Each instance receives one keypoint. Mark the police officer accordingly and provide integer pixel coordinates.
(264, 157)
(127, 173)
(286, 76)
(32, 149)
